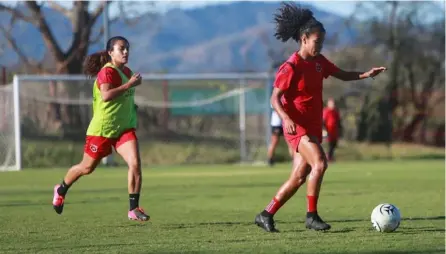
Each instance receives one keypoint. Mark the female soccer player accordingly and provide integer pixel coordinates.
(332, 123)
(297, 98)
(113, 123)
(276, 133)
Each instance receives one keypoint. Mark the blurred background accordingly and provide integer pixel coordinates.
(188, 118)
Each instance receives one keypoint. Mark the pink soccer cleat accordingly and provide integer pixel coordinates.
(58, 200)
(138, 214)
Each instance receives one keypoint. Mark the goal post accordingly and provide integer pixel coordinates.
(225, 113)
(17, 129)
(9, 135)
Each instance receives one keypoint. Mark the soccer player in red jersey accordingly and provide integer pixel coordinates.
(113, 123)
(332, 124)
(297, 98)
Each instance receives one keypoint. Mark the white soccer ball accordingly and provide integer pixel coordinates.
(386, 218)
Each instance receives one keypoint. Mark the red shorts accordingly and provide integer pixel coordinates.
(98, 147)
(294, 140)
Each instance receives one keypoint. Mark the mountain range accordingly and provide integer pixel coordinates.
(228, 37)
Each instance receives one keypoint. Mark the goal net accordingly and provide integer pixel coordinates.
(8, 160)
(182, 119)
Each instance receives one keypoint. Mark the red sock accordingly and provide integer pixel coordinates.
(312, 204)
(273, 206)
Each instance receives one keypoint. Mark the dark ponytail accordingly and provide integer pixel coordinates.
(94, 62)
(293, 22)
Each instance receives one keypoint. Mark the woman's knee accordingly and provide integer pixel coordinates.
(300, 172)
(87, 165)
(134, 165)
(314, 154)
(320, 166)
(85, 169)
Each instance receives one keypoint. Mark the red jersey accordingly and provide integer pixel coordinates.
(331, 118)
(301, 81)
(111, 76)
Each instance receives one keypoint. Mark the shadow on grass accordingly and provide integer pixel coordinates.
(337, 231)
(400, 252)
(403, 219)
(49, 191)
(229, 224)
(347, 252)
(251, 223)
(25, 203)
(413, 231)
(72, 247)
(121, 245)
(302, 221)
(204, 224)
(405, 230)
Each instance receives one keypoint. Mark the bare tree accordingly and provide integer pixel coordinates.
(82, 16)
(414, 48)
(82, 20)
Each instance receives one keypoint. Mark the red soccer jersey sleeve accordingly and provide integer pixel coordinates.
(111, 76)
(284, 77)
(329, 67)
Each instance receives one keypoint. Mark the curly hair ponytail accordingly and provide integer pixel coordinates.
(293, 22)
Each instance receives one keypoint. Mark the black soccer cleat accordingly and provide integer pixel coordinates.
(58, 209)
(266, 222)
(315, 222)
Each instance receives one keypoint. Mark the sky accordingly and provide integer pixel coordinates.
(342, 8)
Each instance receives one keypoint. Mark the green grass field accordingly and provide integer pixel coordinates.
(210, 209)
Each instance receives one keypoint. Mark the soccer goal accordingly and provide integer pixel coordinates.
(186, 118)
(9, 135)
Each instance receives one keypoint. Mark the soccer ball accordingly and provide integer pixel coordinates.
(386, 218)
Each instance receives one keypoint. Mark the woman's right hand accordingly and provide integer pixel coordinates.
(135, 80)
(290, 126)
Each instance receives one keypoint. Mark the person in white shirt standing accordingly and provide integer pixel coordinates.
(276, 133)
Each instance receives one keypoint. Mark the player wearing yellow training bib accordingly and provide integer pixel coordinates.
(113, 123)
